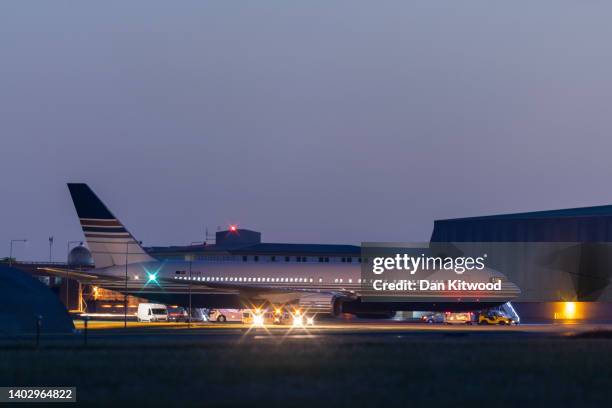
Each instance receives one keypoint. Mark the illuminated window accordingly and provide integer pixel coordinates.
(350, 281)
(320, 280)
(336, 280)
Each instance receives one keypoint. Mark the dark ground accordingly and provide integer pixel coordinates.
(384, 369)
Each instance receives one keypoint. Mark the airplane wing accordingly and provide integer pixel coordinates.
(259, 288)
(83, 277)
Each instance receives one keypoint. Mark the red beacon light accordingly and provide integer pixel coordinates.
(233, 228)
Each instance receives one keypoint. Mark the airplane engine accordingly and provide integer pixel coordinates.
(321, 303)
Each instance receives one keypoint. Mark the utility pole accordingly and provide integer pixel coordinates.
(68, 264)
(11, 250)
(190, 260)
(125, 302)
(51, 249)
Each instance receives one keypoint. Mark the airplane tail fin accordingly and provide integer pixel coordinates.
(108, 240)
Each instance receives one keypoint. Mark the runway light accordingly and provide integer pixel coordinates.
(258, 320)
(569, 310)
(298, 320)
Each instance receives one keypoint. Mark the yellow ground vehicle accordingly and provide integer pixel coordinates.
(495, 317)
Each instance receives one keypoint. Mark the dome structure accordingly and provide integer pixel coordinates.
(24, 301)
(80, 256)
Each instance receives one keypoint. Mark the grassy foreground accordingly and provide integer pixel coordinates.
(330, 371)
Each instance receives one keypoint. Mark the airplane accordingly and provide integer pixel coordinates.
(122, 264)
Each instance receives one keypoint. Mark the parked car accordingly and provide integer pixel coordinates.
(225, 315)
(177, 314)
(433, 318)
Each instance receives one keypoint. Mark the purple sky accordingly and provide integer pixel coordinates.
(322, 122)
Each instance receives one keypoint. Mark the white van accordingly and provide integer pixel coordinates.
(152, 312)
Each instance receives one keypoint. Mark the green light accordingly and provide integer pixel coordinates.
(151, 277)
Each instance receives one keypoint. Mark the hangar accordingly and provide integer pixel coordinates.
(554, 256)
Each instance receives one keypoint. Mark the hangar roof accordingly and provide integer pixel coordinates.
(262, 248)
(586, 224)
(602, 210)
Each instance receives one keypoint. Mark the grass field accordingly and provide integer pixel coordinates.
(341, 371)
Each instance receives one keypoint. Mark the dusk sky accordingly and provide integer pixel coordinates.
(317, 122)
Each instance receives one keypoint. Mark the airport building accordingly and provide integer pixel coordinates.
(235, 244)
(570, 247)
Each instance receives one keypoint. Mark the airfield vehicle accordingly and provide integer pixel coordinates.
(433, 318)
(177, 314)
(152, 312)
(225, 315)
(458, 318)
(495, 317)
